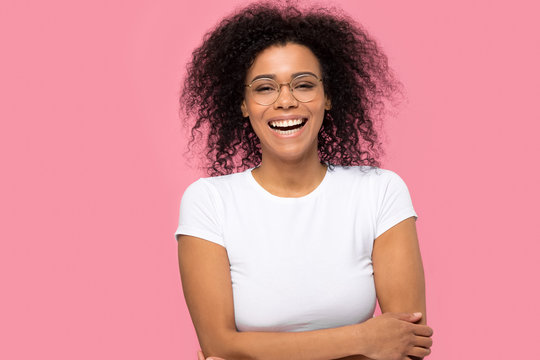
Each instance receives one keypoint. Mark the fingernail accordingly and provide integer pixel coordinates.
(417, 314)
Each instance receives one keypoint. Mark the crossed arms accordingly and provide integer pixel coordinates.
(396, 334)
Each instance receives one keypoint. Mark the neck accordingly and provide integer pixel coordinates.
(290, 178)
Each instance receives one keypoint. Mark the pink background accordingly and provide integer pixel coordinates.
(92, 172)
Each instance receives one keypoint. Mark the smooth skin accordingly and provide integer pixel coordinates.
(290, 168)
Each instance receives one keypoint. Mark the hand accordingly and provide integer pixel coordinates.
(395, 336)
(200, 356)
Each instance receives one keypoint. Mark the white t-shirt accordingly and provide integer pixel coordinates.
(298, 264)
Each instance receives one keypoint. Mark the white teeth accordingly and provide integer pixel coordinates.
(286, 132)
(285, 123)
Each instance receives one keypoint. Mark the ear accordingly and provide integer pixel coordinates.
(328, 104)
(243, 107)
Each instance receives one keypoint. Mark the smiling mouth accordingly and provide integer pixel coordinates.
(288, 127)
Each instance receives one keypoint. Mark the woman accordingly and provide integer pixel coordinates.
(285, 249)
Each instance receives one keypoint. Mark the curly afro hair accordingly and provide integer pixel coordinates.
(356, 78)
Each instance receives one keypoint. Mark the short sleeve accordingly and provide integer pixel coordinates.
(395, 204)
(198, 213)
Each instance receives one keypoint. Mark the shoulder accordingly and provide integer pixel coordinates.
(367, 182)
(216, 188)
(224, 180)
(216, 182)
(369, 174)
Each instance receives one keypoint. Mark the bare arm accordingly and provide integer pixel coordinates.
(398, 272)
(205, 273)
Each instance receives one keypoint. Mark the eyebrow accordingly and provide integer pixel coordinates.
(272, 76)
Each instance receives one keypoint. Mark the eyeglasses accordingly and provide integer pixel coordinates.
(304, 88)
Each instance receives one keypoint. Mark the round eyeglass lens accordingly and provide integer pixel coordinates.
(266, 91)
(304, 87)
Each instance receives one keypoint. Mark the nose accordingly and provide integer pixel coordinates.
(285, 98)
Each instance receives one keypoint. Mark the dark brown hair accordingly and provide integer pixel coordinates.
(356, 78)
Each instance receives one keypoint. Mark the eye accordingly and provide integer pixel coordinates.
(264, 88)
(304, 85)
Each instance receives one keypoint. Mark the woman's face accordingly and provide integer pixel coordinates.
(282, 64)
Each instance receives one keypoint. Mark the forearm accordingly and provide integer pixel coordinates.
(325, 344)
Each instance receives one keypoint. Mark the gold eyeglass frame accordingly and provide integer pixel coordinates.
(279, 88)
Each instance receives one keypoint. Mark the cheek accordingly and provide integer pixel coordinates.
(255, 125)
(250, 109)
(320, 110)
(256, 114)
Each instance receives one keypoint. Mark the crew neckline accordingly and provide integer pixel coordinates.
(308, 196)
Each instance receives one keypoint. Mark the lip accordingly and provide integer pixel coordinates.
(288, 117)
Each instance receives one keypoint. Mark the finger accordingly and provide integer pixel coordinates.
(200, 355)
(423, 341)
(410, 317)
(419, 352)
(423, 330)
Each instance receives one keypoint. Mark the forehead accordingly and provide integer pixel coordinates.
(283, 61)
